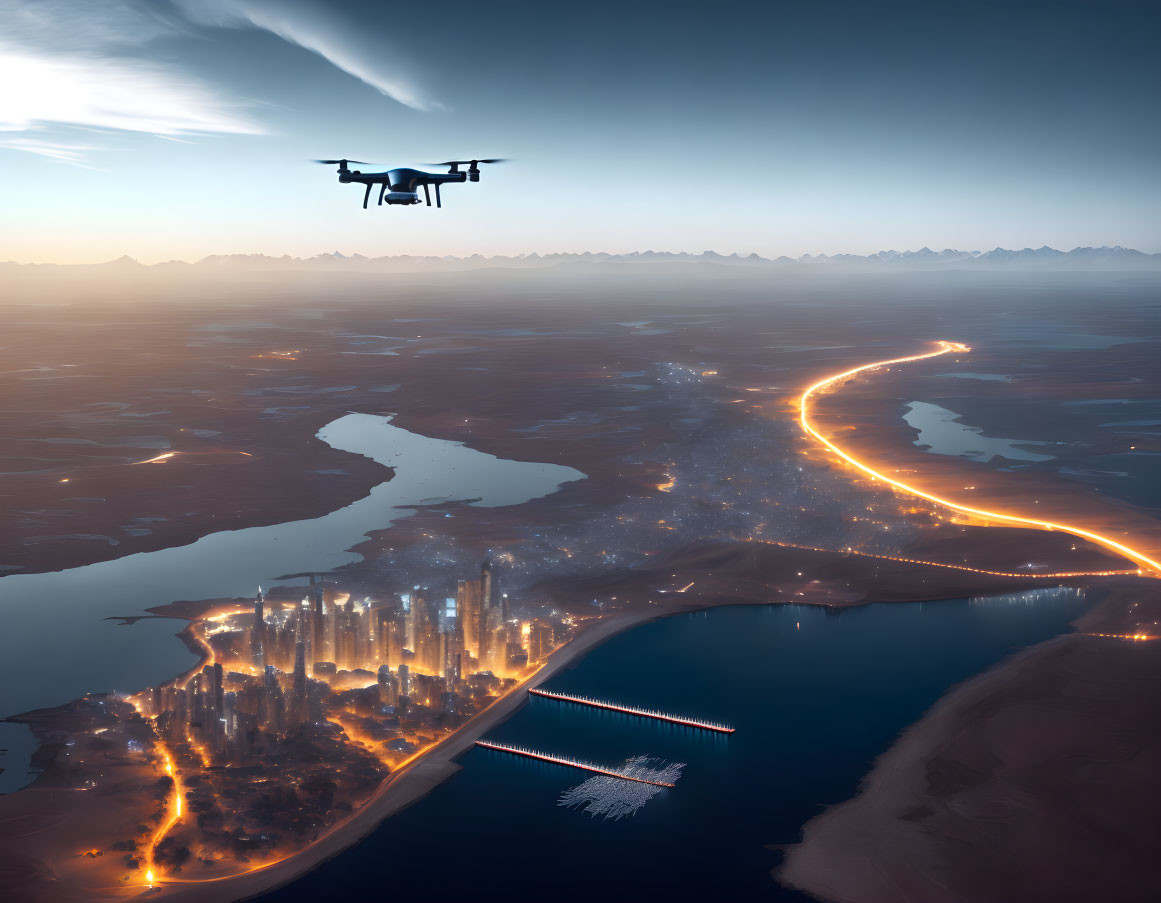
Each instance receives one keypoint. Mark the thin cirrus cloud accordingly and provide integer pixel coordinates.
(85, 63)
(316, 28)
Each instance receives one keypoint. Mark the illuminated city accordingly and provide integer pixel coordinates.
(324, 687)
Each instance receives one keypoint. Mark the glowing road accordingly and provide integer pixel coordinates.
(1021, 575)
(173, 816)
(175, 805)
(1149, 567)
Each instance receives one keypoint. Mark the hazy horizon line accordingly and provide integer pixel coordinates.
(925, 253)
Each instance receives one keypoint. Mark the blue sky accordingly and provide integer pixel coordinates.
(180, 128)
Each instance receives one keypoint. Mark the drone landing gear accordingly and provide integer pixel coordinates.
(366, 195)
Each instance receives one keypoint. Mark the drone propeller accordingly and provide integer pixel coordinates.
(340, 162)
(469, 162)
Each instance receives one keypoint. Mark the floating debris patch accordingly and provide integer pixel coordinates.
(615, 798)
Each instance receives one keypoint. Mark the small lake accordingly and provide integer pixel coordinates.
(985, 377)
(58, 646)
(815, 694)
(941, 433)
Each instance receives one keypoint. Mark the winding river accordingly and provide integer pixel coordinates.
(56, 644)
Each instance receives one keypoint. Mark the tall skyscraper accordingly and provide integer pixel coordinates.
(346, 636)
(489, 621)
(271, 706)
(219, 695)
(320, 649)
(258, 631)
(468, 614)
(486, 583)
(385, 685)
(392, 630)
(426, 623)
(540, 640)
(298, 701)
(404, 674)
(410, 602)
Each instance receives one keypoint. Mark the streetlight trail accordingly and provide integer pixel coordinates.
(175, 807)
(1022, 575)
(1149, 567)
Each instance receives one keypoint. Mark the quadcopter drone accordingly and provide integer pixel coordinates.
(404, 184)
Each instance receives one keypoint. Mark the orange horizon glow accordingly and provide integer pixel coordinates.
(1149, 567)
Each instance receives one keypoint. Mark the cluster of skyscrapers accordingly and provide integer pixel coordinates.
(284, 665)
(450, 637)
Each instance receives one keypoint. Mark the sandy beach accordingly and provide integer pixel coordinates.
(1035, 780)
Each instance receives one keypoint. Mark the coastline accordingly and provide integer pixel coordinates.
(1001, 791)
(906, 582)
(435, 765)
(416, 779)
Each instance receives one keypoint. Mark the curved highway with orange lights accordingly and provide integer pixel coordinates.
(1148, 566)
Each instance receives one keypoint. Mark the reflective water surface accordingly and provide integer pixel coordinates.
(815, 695)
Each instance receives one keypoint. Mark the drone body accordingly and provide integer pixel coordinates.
(401, 186)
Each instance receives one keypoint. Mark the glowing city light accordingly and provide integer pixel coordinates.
(158, 459)
(1022, 575)
(182, 748)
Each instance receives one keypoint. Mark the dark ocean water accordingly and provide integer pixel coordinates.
(815, 697)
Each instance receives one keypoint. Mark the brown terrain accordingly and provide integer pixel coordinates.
(548, 366)
(1037, 780)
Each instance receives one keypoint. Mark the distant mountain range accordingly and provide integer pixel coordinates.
(1104, 258)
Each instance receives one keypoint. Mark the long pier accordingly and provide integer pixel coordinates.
(633, 710)
(571, 763)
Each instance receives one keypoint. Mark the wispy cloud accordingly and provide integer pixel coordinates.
(322, 30)
(109, 93)
(66, 153)
(79, 63)
(87, 64)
